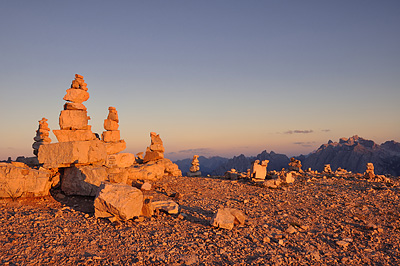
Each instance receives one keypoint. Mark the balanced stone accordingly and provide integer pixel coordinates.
(73, 119)
(42, 135)
(156, 149)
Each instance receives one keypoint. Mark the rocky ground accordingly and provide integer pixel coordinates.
(324, 221)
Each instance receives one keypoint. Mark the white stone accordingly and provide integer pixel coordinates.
(118, 202)
(63, 154)
(168, 206)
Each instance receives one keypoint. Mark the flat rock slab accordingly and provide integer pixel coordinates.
(63, 154)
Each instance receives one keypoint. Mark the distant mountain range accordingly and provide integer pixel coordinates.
(351, 154)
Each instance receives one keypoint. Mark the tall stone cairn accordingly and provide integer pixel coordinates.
(195, 164)
(156, 150)
(369, 172)
(42, 135)
(111, 125)
(73, 119)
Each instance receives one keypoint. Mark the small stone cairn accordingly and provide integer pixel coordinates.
(156, 149)
(195, 168)
(73, 119)
(42, 136)
(295, 165)
(369, 173)
(259, 171)
(327, 169)
(112, 134)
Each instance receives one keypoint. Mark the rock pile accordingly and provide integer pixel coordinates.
(42, 136)
(195, 168)
(327, 169)
(73, 119)
(369, 173)
(112, 135)
(295, 165)
(156, 149)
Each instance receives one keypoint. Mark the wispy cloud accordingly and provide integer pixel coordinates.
(305, 144)
(299, 131)
(325, 130)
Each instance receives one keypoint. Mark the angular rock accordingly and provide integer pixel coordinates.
(63, 154)
(76, 95)
(115, 147)
(110, 125)
(118, 202)
(74, 135)
(74, 106)
(169, 206)
(83, 180)
(120, 160)
(21, 181)
(259, 171)
(152, 155)
(73, 119)
(227, 217)
(111, 136)
(147, 209)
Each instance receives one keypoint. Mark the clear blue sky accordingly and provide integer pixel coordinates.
(211, 77)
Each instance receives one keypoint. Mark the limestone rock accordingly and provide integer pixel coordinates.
(156, 149)
(259, 171)
(327, 169)
(115, 147)
(147, 209)
(63, 154)
(83, 180)
(74, 106)
(120, 160)
(288, 177)
(76, 95)
(118, 202)
(21, 181)
(146, 186)
(74, 135)
(169, 206)
(79, 83)
(111, 136)
(110, 125)
(227, 217)
(73, 119)
(232, 174)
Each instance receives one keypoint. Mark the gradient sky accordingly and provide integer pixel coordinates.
(211, 77)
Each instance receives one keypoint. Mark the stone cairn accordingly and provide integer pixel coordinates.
(369, 173)
(42, 136)
(259, 171)
(295, 165)
(74, 119)
(327, 169)
(195, 168)
(156, 149)
(112, 133)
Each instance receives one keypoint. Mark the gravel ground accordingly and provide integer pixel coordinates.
(332, 221)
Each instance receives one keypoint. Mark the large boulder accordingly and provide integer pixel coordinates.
(118, 202)
(83, 180)
(18, 180)
(227, 217)
(63, 154)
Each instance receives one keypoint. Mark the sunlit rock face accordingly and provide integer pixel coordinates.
(354, 153)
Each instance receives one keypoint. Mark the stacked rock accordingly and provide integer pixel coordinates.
(42, 136)
(195, 168)
(327, 169)
(295, 165)
(369, 173)
(74, 119)
(111, 125)
(156, 150)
